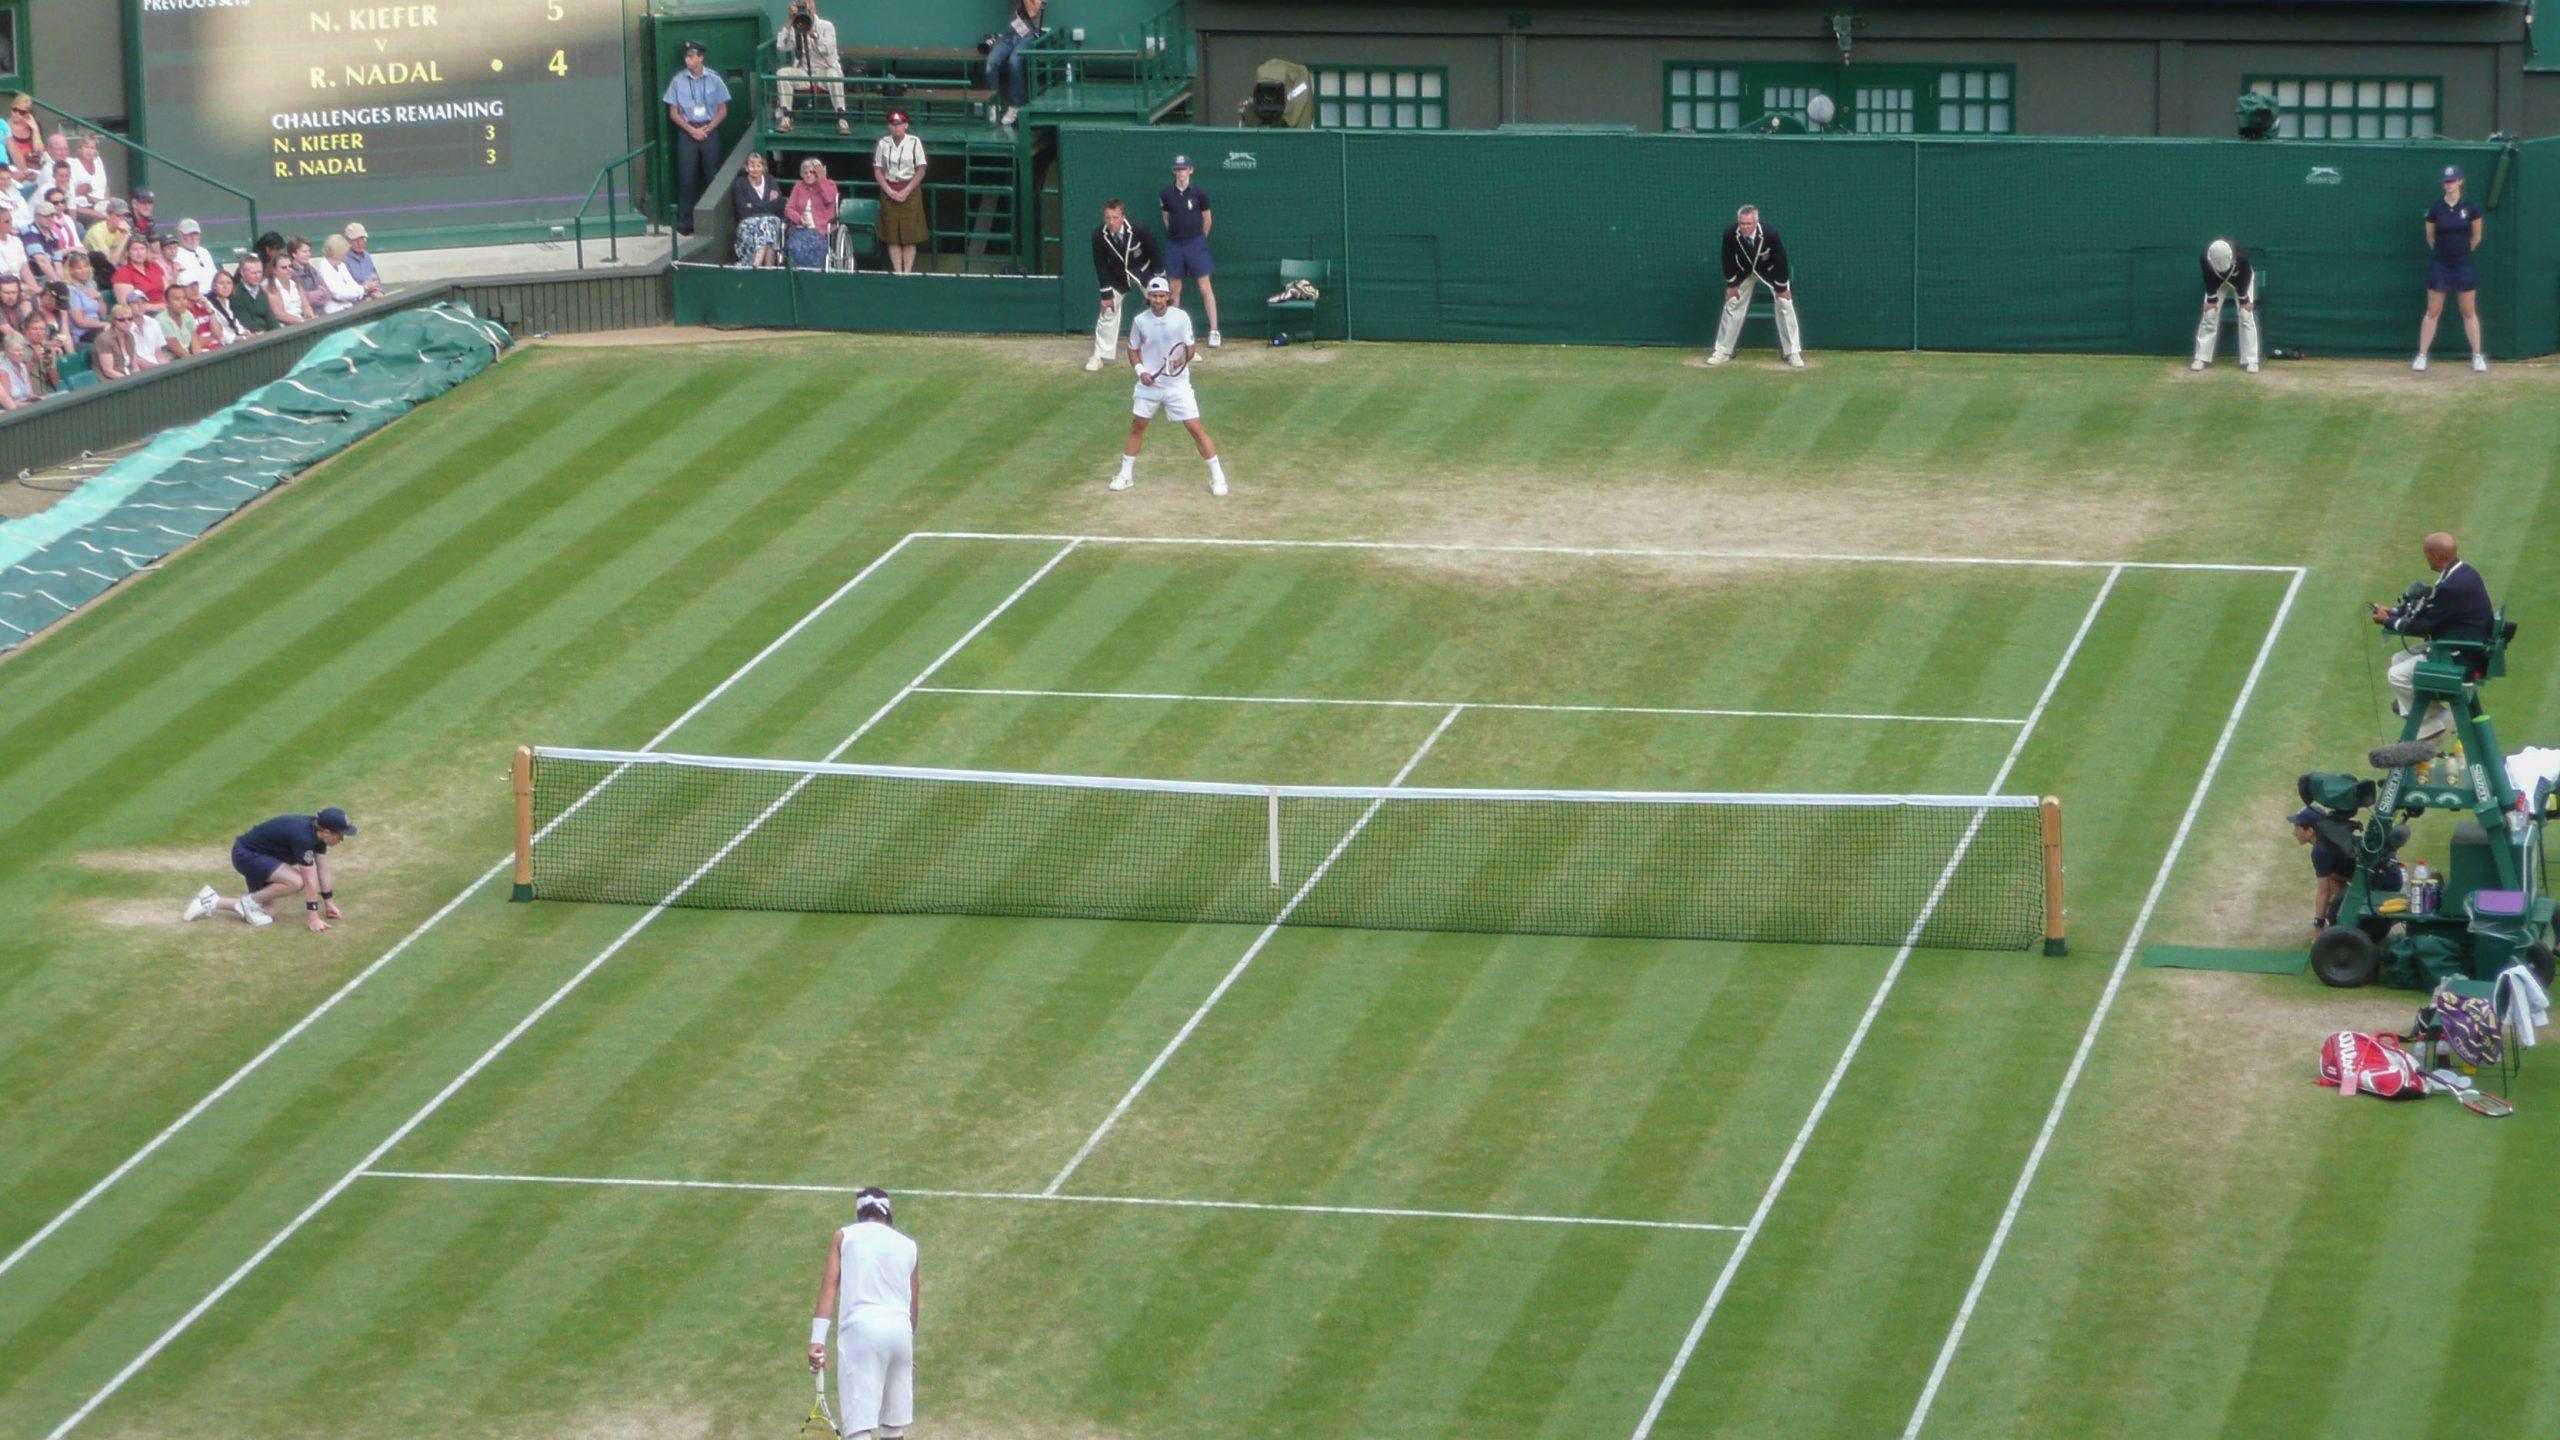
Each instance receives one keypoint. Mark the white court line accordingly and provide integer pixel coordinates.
(1468, 704)
(1617, 552)
(489, 1055)
(1043, 1197)
(259, 1060)
(1858, 1037)
(2097, 1018)
(1148, 1076)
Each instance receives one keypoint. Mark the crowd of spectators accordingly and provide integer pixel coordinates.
(98, 285)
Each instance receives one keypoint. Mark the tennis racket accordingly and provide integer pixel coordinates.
(2481, 1102)
(821, 1424)
(1176, 360)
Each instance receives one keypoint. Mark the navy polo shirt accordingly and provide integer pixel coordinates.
(293, 839)
(1183, 208)
(2453, 228)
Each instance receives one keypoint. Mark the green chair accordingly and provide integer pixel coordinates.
(1283, 312)
(857, 234)
(76, 371)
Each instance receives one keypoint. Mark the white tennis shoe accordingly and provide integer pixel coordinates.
(1217, 484)
(202, 905)
(2194, 365)
(1216, 340)
(2251, 367)
(254, 913)
(1093, 362)
(1795, 362)
(2480, 364)
(2418, 364)
(1715, 359)
(1123, 482)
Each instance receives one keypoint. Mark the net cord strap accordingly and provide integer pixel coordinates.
(1276, 793)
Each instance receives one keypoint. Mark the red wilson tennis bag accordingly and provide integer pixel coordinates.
(2356, 1062)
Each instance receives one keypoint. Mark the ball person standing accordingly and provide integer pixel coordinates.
(872, 1291)
(2454, 226)
(1187, 223)
(1159, 348)
(1754, 256)
(2227, 272)
(1125, 258)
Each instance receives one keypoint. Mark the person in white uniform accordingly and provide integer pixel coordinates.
(2228, 275)
(1160, 346)
(872, 1292)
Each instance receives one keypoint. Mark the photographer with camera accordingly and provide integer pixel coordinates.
(808, 45)
(1006, 72)
(2455, 607)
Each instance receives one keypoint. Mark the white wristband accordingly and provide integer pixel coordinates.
(818, 1329)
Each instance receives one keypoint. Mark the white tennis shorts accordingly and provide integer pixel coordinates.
(875, 1371)
(1178, 401)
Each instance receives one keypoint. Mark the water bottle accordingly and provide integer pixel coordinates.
(2421, 891)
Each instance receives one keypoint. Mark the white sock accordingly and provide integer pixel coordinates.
(1217, 470)
(1128, 463)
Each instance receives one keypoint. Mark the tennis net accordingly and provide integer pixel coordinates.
(1975, 872)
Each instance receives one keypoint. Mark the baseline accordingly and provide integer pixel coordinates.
(1467, 704)
(507, 1040)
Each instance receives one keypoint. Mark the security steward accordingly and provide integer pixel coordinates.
(1125, 258)
(2456, 607)
(697, 100)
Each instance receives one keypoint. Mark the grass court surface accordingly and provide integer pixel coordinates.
(567, 1169)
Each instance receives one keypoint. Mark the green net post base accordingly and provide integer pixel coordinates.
(522, 892)
(2055, 948)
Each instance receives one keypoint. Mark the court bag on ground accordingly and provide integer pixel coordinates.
(2359, 1063)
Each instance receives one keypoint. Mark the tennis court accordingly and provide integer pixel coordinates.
(1181, 1178)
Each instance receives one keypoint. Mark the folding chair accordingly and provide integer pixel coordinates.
(857, 234)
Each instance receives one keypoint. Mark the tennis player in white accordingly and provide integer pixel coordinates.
(1160, 351)
(873, 1291)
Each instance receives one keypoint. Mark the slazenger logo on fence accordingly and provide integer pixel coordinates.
(1240, 160)
(2324, 175)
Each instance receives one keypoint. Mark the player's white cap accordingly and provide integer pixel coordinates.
(1159, 286)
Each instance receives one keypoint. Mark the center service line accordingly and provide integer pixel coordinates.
(1866, 1023)
(455, 1085)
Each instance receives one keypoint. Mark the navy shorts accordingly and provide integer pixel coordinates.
(255, 868)
(1188, 259)
(2453, 277)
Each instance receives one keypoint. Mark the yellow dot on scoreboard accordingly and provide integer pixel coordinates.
(497, 64)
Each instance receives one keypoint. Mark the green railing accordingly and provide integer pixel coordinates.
(612, 205)
(1133, 79)
(868, 99)
(137, 148)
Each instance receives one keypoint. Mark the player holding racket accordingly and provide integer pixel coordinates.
(871, 1293)
(1160, 352)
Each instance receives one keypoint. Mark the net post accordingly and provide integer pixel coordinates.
(524, 823)
(2052, 814)
(1273, 810)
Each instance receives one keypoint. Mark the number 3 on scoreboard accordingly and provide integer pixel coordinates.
(559, 62)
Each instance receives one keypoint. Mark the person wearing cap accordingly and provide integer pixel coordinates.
(1125, 258)
(107, 238)
(697, 100)
(144, 203)
(188, 259)
(2227, 273)
(897, 166)
(2454, 226)
(360, 257)
(871, 1294)
(1187, 223)
(1007, 73)
(1160, 353)
(277, 858)
(2333, 859)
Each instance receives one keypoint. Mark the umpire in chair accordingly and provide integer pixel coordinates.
(2456, 607)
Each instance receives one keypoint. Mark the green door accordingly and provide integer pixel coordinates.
(733, 37)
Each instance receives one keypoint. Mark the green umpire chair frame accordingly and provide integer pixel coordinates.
(857, 236)
(1316, 272)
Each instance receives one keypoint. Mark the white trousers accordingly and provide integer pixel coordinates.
(795, 80)
(1106, 326)
(2209, 329)
(1737, 309)
(2403, 675)
(875, 1372)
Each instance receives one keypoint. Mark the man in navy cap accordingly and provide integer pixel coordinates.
(2333, 859)
(2453, 232)
(1186, 241)
(697, 100)
(277, 858)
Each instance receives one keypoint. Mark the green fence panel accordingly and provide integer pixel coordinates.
(2531, 209)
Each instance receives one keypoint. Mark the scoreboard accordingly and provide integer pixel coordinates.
(438, 115)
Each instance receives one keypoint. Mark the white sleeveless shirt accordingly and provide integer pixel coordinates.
(876, 1268)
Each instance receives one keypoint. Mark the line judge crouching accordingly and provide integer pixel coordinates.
(2228, 275)
(1754, 256)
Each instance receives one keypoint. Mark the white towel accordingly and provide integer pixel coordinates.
(2530, 764)
(2521, 1002)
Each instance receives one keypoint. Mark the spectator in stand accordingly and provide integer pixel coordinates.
(81, 300)
(898, 164)
(360, 258)
(107, 238)
(51, 312)
(298, 264)
(177, 327)
(188, 260)
(17, 307)
(26, 133)
(112, 354)
(143, 336)
(45, 350)
(222, 301)
(57, 151)
(14, 256)
(248, 299)
(284, 295)
(144, 223)
(142, 281)
(808, 45)
(342, 290)
(757, 197)
(1005, 66)
(21, 381)
(697, 101)
(215, 327)
(89, 179)
(57, 239)
(811, 216)
(84, 209)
